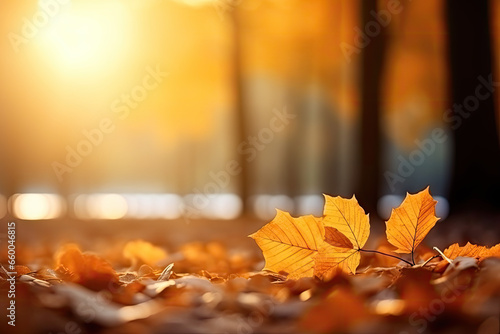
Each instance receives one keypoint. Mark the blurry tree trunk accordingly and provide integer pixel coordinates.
(476, 171)
(372, 60)
(239, 104)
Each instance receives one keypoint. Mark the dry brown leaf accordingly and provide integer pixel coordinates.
(104, 312)
(288, 244)
(415, 289)
(339, 312)
(146, 271)
(21, 270)
(411, 221)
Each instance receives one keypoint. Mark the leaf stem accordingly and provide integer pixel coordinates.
(374, 251)
(412, 257)
(442, 255)
(430, 259)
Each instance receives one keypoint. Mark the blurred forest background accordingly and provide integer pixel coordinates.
(382, 97)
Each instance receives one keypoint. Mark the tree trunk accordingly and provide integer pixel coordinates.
(372, 60)
(476, 170)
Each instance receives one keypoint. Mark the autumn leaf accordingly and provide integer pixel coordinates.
(335, 238)
(288, 244)
(339, 312)
(347, 229)
(471, 250)
(86, 269)
(329, 260)
(411, 221)
(347, 217)
(21, 270)
(415, 289)
(142, 252)
(494, 251)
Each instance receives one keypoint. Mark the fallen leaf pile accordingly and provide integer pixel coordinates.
(320, 275)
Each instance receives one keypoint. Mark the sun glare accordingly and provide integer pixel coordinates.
(87, 36)
(204, 2)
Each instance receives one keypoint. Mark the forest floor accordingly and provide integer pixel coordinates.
(96, 277)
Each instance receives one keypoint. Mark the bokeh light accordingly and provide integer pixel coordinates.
(32, 206)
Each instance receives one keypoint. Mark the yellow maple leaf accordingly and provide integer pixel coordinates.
(331, 259)
(348, 217)
(288, 244)
(411, 221)
(347, 229)
(335, 238)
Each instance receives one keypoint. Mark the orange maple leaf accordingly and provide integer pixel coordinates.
(494, 251)
(471, 250)
(288, 244)
(330, 260)
(348, 217)
(411, 221)
(347, 229)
